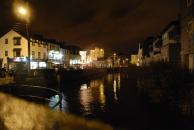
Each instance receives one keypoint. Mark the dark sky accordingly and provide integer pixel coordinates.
(116, 25)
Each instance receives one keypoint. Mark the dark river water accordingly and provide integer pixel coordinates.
(114, 99)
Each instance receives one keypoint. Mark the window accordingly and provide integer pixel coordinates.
(44, 45)
(33, 42)
(6, 53)
(44, 55)
(39, 44)
(39, 55)
(17, 52)
(6, 41)
(17, 40)
(189, 3)
(190, 27)
(33, 55)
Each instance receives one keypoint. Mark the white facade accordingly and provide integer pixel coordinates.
(14, 46)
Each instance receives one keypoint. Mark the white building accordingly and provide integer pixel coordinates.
(14, 49)
(43, 53)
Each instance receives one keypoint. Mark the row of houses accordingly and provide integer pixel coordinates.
(165, 47)
(175, 44)
(44, 52)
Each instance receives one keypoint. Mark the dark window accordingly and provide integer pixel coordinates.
(39, 44)
(17, 40)
(44, 55)
(17, 52)
(189, 3)
(39, 55)
(6, 41)
(33, 42)
(190, 27)
(33, 54)
(44, 45)
(6, 53)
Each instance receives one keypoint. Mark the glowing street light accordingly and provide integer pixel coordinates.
(22, 11)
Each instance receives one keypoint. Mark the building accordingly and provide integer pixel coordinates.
(38, 52)
(140, 55)
(96, 54)
(14, 50)
(44, 52)
(187, 33)
(147, 50)
(156, 53)
(171, 43)
(66, 55)
(134, 59)
(75, 58)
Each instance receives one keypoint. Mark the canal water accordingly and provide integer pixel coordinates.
(115, 99)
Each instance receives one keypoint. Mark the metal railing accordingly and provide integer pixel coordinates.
(33, 93)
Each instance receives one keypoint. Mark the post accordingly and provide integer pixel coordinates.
(28, 38)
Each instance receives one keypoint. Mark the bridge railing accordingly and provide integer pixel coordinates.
(36, 94)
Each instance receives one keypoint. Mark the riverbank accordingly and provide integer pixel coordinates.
(166, 84)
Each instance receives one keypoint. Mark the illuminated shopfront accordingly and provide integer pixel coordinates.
(55, 58)
(38, 65)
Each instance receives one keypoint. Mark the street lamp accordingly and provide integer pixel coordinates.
(23, 13)
(22, 10)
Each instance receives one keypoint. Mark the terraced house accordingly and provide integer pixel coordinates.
(187, 34)
(44, 53)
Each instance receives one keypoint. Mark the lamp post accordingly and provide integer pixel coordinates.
(23, 13)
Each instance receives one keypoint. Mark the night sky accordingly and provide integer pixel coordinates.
(116, 25)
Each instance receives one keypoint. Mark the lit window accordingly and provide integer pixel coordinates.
(6, 53)
(17, 40)
(189, 3)
(6, 41)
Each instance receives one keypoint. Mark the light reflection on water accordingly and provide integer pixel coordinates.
(103, 98)
(92, 95)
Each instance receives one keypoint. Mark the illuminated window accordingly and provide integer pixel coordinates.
(189, 3)
(17, 40)
(39, 55)
(6, 41)
(6, 53)
(33, 54)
